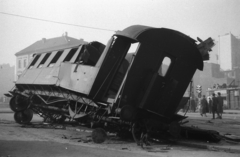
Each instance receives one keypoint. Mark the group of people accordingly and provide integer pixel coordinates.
(214, 105)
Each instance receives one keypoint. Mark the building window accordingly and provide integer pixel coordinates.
(24, 63)
(19, 64)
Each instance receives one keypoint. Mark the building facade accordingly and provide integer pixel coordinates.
(7, 80)
(21, 63)
(229, 52)
(208, 78)
(224, 75)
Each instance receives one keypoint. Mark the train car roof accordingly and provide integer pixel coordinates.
(134, 32)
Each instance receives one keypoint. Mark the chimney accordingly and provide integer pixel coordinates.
(65, 35)
(44, 40)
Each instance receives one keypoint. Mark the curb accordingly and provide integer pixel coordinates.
(6, 111)
(230, 113)
(217, 148)
(209, 147)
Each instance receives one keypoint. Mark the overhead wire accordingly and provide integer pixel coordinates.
(33, 18)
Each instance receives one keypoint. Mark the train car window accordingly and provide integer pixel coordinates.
(79, 54)
(34, 61)
(162, 71)
(70, 54)
(55, 58)
(119, 77)
(43, 60)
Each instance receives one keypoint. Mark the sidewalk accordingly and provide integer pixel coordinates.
(5, 110)
(231, 111)
(223, 126)
(234, 148)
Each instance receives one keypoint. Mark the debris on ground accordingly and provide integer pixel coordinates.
(82, 130)
(163, 149)
(231, 137)
(44, 125)
(6, 122)
(85, 140)
(195, 133)
(209, 121)
(212, 148)
(64, 137)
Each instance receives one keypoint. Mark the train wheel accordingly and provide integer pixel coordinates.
(127, 113)
(18, 103)
(23, 117)
(99, 135)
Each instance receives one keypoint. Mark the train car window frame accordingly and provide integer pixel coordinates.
(55, 58)
(34, 61)
(44, 60)
(168, 62)
(79, 54)
(70, 54)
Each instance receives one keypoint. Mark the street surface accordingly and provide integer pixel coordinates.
(38, 140)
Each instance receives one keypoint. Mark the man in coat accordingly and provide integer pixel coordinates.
(220, 105)
(214, 106)
(209, 104)
(204, 105)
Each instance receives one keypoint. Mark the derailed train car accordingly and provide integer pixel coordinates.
(108, 87)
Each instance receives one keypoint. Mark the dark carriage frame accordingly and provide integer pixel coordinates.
(110, 90)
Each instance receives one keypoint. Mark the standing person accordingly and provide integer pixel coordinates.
(209, 104)
(204, 105)
(193, 104)
(214, 105)
(220, 105)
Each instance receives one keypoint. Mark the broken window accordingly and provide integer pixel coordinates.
(90, 54)
(119, 77)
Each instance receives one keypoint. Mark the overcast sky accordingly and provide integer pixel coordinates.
(196, 18)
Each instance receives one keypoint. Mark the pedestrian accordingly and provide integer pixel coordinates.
(214, 106)
(193, 104)
(209, 104)
(203, 106)
(220, 105)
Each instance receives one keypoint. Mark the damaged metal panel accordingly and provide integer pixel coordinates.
(80, 80)
(47, 76)
(29, 76)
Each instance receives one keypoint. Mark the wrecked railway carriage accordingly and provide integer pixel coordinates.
(107, 86)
